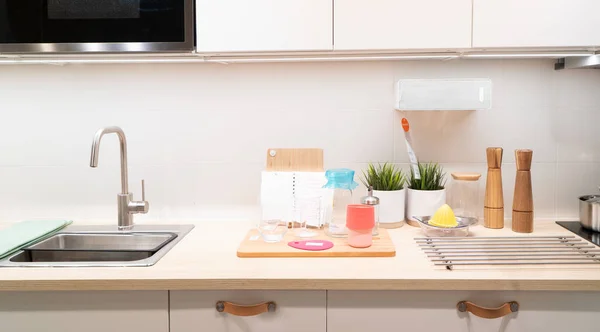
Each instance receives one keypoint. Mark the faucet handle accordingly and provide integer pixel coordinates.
(139, 206)
(143, 190)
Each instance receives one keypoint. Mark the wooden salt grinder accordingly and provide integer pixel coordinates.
(522, 214)
(493, 211)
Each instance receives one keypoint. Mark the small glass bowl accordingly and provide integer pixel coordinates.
(272, 231)
(434, 231)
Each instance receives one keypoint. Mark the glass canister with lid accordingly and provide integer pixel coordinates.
(341, 182)
(464, 196)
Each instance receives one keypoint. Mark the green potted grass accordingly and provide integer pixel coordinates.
(388, 183)
(425, 194)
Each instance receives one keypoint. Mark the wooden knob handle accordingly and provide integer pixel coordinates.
(245, 310)
(523, 159)
(489, 313)
(494, 157)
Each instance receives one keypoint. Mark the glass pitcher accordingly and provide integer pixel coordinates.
(341, 182)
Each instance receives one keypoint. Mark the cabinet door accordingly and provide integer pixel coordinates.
(436, 311)
(549, 23)
(296, 311)
(263, 25)
(402, 24)
(84, 311)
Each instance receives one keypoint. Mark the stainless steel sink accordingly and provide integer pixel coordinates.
(105, 246)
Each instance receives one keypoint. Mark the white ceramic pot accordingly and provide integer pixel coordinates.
(423, 203)
(391, 207)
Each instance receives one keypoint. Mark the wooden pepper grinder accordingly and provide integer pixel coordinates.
(522, 214)
(493, 211)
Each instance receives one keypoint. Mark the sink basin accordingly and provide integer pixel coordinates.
(90, 247)
(99, 246)
(105, 241)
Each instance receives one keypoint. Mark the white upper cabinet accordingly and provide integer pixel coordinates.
(402, 24)
(264, 25)
(536, 23)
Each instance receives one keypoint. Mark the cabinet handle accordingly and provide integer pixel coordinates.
(489, 313)
(245, 310)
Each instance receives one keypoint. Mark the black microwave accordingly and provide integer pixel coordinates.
(96, 26)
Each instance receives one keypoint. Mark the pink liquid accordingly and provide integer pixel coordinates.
(360, 238)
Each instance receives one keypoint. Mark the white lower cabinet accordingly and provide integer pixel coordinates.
(294, 311)
(354, 311)
(123, 311)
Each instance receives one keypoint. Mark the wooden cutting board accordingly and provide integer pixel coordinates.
(254, 247)
(294, 160)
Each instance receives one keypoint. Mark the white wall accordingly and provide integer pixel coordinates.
(198, 133)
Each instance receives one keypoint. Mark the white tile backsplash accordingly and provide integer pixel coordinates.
(578, 141)
(198, 133)
(575, 88)
(574, 180)
(544, 188)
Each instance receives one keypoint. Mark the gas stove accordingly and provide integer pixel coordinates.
(575, 227)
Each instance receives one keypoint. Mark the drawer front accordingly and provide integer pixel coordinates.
(295, 311)
(355, 311)
(101, 311)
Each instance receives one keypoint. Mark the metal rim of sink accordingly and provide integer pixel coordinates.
(180, 230)
(157, 248)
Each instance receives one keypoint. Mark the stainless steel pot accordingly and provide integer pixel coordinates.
(589, 212)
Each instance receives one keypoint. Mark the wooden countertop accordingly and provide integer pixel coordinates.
(206, 259)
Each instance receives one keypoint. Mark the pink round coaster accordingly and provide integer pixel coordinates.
(311, 245)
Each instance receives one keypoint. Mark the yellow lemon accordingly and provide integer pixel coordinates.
(444, 217)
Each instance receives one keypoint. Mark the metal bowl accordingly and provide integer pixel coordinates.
(462, 229)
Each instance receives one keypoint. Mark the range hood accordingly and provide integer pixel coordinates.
(580, 62)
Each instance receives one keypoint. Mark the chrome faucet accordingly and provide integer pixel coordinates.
(126, 205)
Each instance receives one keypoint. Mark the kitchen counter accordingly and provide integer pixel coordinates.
(206, 259)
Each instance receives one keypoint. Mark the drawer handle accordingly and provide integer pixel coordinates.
(489, 313)
(245, 310)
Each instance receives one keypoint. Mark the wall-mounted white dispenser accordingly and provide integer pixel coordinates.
(443, 94)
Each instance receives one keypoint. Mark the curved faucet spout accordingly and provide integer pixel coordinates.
(123, 144)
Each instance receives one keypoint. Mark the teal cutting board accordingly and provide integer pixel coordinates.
(25, 233)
